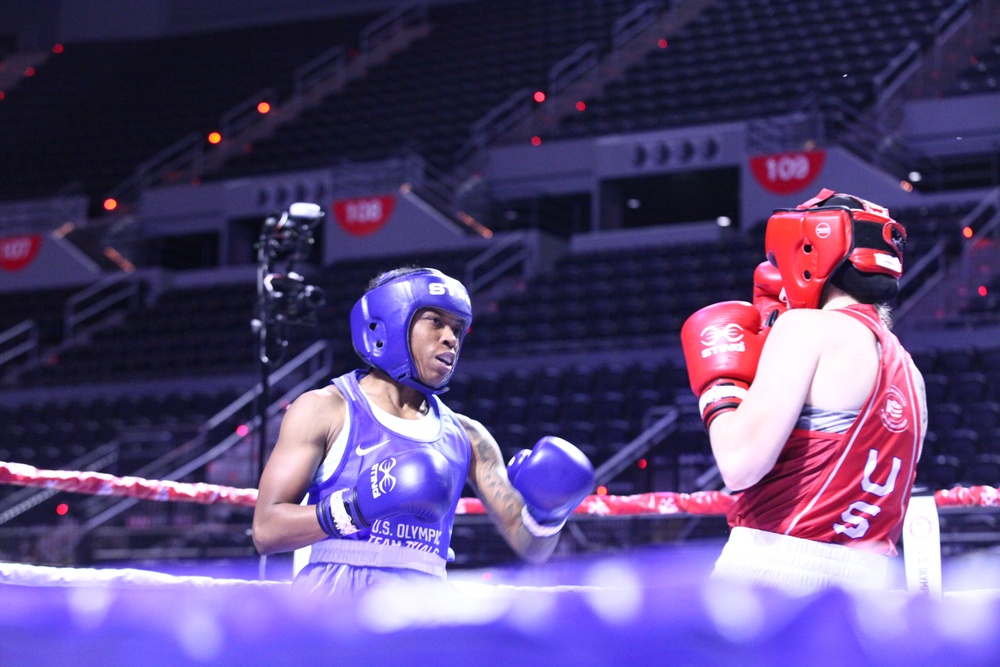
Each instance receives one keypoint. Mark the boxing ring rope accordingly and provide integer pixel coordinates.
(650, 603)
(657, 502)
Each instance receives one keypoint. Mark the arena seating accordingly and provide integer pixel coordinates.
(50, 434)
(612, 298)
(426, 99)
(726, 66)
(744, 59)
(186, 333)
(963, 391)
(94, 112)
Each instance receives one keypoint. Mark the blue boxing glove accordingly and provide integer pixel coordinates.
(553, 478)
(416, 483)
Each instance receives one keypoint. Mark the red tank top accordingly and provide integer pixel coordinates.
(850, 488)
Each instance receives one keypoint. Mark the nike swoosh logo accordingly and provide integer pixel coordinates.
(361, 451)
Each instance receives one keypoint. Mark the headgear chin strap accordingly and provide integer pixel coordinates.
(380, 321)
(810, 242)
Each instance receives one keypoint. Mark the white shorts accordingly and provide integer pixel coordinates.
(797, 566)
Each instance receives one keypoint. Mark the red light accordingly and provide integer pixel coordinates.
(214, 137)
(602, 490)
(982, 290)
(487, 576)
(29, 71)
(110, 204)
(2, 95)
(62, 509)
(642, 464)
(967, 232)
(58, 48)
(263, 107)
(242, 430)
(539, 96)
(662, 43)
(536, 141)
(581, 106)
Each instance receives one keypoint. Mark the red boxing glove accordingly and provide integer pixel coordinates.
(768, 295)
(722, 345)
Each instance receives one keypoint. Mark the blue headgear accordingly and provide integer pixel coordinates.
(380, 321)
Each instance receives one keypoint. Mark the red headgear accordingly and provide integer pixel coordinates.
(810, 242)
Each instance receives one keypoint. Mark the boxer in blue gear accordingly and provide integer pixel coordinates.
(368, 471)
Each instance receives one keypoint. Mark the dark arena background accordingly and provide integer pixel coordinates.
(189, 188)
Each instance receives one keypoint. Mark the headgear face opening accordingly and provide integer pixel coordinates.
(810, 242)
(380, 321)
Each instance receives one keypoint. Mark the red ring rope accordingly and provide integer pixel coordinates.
(660, 502)
(103, 484)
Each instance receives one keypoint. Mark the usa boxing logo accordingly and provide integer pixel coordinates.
(719, 340)
(382, 481)
(893, 413)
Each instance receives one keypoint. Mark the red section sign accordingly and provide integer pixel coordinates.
(17, 252)
(364, 215)
(786, 173)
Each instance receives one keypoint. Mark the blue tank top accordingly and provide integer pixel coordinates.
(368, 442)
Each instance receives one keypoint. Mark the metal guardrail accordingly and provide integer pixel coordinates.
(246, 113)
(26, 333)
(513, 251)
(437, 192)
(321, 68)
(894, 75)
(921, 278)
(388, 25)
(175, 156)
(98, 300)
(984, 219)
(573, 67)
(633, 22)
(948, 21)
(500, 118)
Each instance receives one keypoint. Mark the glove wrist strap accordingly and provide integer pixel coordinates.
(334, 517)
(533, 526)
(722, 396)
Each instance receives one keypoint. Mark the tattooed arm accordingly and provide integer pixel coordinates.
(488, 478)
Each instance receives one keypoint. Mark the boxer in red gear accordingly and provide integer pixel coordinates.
(823, 448)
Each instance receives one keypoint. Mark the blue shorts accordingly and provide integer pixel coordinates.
(347, 581)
